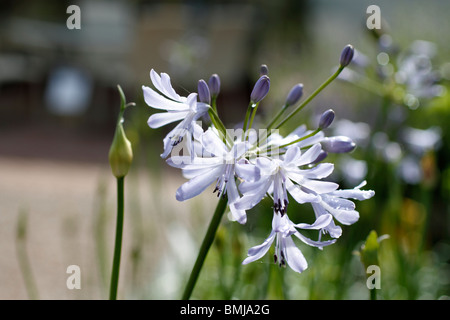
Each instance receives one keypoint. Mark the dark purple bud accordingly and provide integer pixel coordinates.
(214, 85)
(338, 144)
(264, 70)
(203, 92)
(294, 95)
(322, 155)
(347, 55)
(260, 89)
(326, 119)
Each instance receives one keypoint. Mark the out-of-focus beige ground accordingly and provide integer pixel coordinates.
(71, 210)
(59, 201)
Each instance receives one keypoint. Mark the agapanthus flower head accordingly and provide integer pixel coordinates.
(243, 168)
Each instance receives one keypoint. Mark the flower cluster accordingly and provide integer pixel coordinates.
(246, 166)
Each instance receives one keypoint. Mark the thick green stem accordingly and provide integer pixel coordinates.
(206, 244)
(118, 241)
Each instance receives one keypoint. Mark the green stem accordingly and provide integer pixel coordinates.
(300, 139)
(206, 244)
(277, 117)
(118, 241)
(247, 116)
(22, 256)
(373, 294)
(315, 93)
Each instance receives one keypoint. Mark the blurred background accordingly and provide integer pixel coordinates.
(58, 109)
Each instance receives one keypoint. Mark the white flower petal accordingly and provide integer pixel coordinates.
(294, 257)
(213, 144)
(312, 243)
(253, 193)
(298, 194)
(292, 154)
(161, 119)
(233, 196)
(320, 171)
(321, 222)
(163, 84)
(259, 251)
(320, 187)
(247, 171)
(197, 185)
(354, 194)
(157, 101)
(309, 156)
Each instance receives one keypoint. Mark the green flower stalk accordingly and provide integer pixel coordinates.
(369, 258)
(120, 159)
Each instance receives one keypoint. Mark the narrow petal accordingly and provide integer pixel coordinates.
(259, 251)
(213, 144)
(162, 84)
(346, 217)
(309, 156)
(298, 194)
(161, 119)
(312, 243)
(247, 171)
(157, 101)
(292, 154)
(354, 194)
(321, 222)
(185, 162)
(320, 171)
(233, 195)
(320, 186)
(294, 257)
(197, 185)
(251, 199)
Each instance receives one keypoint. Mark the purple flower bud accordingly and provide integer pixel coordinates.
(264, 70)
(322, 155)
(203, 92)
(326, 119)
(347, 55)
(214, 85)
(294, 95)
(338, 144)
(260, 89)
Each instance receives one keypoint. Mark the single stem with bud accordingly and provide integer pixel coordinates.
(120, 158)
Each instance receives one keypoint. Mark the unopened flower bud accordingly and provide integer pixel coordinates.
(338, 144)
(120, 153)
(260, 89)
(294, 95)
(322, 155)
(203, 92)
(214, 85)
(347, 55)
(263, 70)
(326, 119)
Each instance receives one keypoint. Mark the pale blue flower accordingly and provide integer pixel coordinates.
(286, 252)
(219, 163)
(184, 109)
(280, 176)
